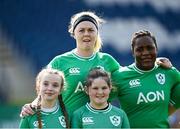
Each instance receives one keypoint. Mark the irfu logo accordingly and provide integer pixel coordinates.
(160, 78)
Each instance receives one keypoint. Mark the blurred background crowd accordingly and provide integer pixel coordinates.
(32, 32)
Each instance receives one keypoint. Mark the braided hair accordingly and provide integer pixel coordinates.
(64, 111)
(38, 108)
(38, 112)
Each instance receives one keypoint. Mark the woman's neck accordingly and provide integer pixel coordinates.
(145, 68)
(84, 53)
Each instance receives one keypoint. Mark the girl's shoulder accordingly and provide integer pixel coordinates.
(118, 110)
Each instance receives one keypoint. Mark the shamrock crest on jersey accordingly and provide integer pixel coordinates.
(36, 124)
(62, 121)
(115, 120)
(160, 78)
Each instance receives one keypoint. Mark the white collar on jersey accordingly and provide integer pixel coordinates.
(96, 111)
(82, 57)
(50, 109)
(144, 71)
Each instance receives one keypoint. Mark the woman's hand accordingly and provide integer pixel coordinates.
(164, 62)
(26, 110)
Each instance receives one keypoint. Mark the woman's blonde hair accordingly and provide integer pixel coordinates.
(99, 21)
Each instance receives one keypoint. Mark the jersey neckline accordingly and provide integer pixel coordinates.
(143, 71)
(96, 111)
(50, 110)
(83, 58)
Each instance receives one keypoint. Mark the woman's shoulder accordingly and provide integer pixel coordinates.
(103, 54)
(170, 71)
(64, 55)
(106, 57)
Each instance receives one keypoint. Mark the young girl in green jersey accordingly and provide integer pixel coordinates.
(50, 111)
(99, 113)
(85, 29)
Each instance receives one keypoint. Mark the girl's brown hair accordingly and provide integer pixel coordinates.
(96, 73)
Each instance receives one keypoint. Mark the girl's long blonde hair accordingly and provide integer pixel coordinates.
(61, 103)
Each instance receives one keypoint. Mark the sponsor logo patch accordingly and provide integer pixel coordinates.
(74, 70)
(87, 120)
(134, 83)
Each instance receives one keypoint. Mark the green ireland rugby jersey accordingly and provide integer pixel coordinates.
(145, 95)
(87, 117)
(76, 69)
(50, 119)
(175, 96)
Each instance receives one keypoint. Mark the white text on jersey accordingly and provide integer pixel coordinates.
(150, 97)
(79, 87)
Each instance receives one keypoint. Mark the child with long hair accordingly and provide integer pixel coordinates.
(50, 111)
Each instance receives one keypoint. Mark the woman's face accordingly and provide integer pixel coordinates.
(99, 93)
(145, 53)
(85, 34)
(50, 86)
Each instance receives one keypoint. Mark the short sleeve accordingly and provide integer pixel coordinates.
(24, 123)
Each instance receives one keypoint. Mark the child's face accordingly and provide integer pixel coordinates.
(99, 93)
(50, 86)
